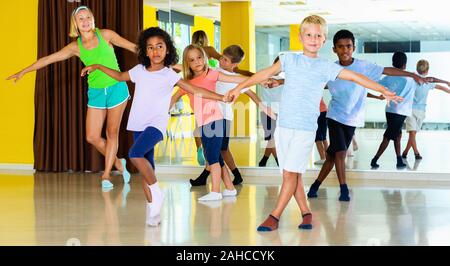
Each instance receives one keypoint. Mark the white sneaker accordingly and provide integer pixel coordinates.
(211, 196)
(319, 162)
(229, 193)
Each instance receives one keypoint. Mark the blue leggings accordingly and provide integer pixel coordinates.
(144, 144)
(212, 139)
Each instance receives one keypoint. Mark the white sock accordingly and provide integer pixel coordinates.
(211, 196)
(229, 193)
(152, 220)
(157, 199)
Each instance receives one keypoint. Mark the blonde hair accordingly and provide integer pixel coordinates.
(74, 32)
(422, 66)
(316, 20)
(188, 74)
(200, 38)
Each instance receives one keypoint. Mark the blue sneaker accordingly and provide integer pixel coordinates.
(126, 175)
(200, 156)
(106, 184)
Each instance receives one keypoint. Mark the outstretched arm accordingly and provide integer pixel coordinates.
(442, 88)
(119, 41)
(392, 71)
(362, 80)
(244, 72)
(231, 78)
(63, 54)
(201, 92)
(370, 95)
(436, 80)
(255, 79)
(211, 52)
(119, 76)
(259, 103)
(175, 98)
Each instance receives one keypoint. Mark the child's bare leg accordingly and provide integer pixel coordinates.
(300, 197)
(414, 143)
(408, 144)
(287, 191)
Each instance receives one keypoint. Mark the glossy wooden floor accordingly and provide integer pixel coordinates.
(64, 208)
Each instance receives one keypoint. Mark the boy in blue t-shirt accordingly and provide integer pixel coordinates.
(347, 108)
(415, 121)
(305, 77)
(396, 113)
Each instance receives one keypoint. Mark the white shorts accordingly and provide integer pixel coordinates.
(415, 121)
(293, 148)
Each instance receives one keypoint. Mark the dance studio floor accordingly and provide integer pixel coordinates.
(71, 209)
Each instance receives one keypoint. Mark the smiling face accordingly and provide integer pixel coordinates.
(84, 20)
(156, 50)
(312, 37)
(344, 49)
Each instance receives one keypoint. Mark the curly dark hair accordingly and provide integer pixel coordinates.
(171, 57)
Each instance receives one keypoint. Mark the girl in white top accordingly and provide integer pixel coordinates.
(149, 112)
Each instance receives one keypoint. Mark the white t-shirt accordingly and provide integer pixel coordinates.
(223, 88)
(150, 107)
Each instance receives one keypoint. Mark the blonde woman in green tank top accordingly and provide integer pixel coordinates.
(96, 46)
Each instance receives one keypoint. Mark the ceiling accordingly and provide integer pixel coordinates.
(383, 20)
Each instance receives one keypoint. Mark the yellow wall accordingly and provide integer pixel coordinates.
(207, 25)
(18, 49)
(150, 17)
(238, 27)
(294, 40)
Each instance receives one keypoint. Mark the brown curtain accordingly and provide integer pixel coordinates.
(61, 94)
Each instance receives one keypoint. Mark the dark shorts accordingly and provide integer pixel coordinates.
(226, 136)
(269, 126)
(394, 125)
(340, 137)
(212, 135)
(321, 133)
(144, 144)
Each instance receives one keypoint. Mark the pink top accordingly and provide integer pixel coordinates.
(323, 106)
(205, 110)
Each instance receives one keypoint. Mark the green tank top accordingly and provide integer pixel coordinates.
(103, 54)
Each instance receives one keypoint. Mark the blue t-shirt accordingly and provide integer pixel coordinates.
(305, 79)
(403, 87)
(421, 95)
(348, 99)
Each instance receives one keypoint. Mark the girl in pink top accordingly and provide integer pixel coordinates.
(209, 117)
